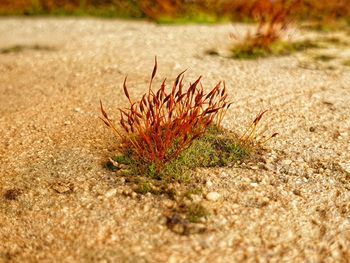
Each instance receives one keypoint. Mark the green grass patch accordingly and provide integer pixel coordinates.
(278, 48)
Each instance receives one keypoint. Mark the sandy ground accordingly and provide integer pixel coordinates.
(59, 204)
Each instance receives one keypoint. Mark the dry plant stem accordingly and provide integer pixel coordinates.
(162, 124)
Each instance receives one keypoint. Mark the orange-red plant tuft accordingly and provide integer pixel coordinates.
(273, 18)
(162, 124)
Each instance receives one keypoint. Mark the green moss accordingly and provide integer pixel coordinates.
(216, 148)
(122, 159)
(193, 17)
(277, 48)
(324, 57)
(193, 191)
(334, 41)
(21, 48)
(346, 62)
(195, 212)
(144, 188)
(110, 166)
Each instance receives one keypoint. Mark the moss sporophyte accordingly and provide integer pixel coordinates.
(169, 132)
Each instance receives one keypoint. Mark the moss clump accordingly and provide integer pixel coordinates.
(324, 57)
(277, 48)
(215, 148)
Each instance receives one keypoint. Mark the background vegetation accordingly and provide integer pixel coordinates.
(173, 10)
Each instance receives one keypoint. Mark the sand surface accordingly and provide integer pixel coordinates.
(58, 203)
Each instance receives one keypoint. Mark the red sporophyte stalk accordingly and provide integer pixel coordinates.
(251, 134)
(160, 125)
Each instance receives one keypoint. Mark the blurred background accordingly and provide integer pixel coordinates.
(322, 13)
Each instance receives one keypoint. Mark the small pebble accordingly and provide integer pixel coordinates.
(345, 167)
(110, 193)
(121, 180)
(223, 174)
(286, 162)
(196, 198)
(213, 196)
(168, 203)
(269, 166)
(209, 183)
(61, 188)
(127, 192)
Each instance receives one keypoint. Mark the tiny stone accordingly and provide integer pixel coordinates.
(169, 203)
(312, 129)
(223, 174)
(297, 192)
(196, 198)
(127, 192)
(67, 123)
(270, 166)
(213, 196)
(162, 220)
(110, 193)
(61, 188)
(133, 195)
(146, 208)
(122, 180)
(254, 184)
(209, 183)
(345, 167)
(286, 162)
